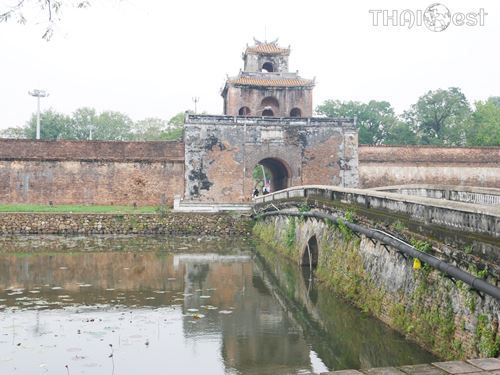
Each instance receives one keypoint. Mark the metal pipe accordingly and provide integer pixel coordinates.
(385, 238)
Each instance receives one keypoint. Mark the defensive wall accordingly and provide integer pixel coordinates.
(90, 172)
(401, 165)
(219, 167)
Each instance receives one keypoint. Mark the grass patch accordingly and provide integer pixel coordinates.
(70, 208)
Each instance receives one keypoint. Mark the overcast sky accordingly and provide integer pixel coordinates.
(149, 58)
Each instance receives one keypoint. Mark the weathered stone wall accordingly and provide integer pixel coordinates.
(222, 151)
(445, 317)
(399, 165)
(108, 173)
(168, 223)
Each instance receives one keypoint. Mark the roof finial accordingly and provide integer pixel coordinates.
(257, 42)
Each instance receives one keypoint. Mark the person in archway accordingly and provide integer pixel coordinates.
(267, 187)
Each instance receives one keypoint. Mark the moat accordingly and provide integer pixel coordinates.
(129, 305)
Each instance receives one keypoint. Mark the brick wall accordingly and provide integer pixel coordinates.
(80, 172)
(22, 149)
(398, 165)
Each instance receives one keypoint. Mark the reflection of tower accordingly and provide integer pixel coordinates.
(265, 87)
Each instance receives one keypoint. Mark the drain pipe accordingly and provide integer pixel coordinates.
(454, 272)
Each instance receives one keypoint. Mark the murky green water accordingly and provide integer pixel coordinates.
(183, 306)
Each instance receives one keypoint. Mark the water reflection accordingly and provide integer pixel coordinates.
(175, 305)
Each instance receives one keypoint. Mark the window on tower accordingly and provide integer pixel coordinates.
(244, 111)
(268, 67)
(295, 112)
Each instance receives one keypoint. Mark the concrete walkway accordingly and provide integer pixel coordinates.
(484, 366)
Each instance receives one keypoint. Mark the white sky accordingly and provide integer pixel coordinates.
(149, 58)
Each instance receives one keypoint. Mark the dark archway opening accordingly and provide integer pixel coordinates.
(268, 67)
(271, 174)
(310, 254)
(295, 112)
(269, 106)
(244, 111)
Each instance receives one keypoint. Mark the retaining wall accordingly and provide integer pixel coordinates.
(443, 316)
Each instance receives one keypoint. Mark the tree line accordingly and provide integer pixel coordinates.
(86, 123)
(440, 117)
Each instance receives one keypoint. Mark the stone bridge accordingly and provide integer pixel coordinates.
(451, 210)
(427, 267)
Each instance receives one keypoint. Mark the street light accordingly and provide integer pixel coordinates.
(91, 128)
(38, 94)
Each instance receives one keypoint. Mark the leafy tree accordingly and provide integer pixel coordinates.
(108, 125)
(373, 118)
(178, 119)
(485, 129)
(13, 132)
(51, 12)
(84, 121)
(53, 125)
(115, 126)
(440, 117)
(150, 129)
(399, 133)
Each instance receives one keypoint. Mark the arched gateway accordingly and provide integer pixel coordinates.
(267, 121)
(275, 173)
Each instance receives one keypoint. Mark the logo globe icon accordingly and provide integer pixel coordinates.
(437, 17)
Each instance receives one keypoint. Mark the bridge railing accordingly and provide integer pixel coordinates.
(467, 194)
(456, 215)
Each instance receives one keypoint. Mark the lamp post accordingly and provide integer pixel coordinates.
(38, 94)
(91, 129)
(196, 100)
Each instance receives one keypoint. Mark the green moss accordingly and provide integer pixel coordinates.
(267, 233)
(349, 216)
(290, 234)
(420, 245)
(399, 226)
(487, 344)
(341, 267)
(344, 229)
(304, 207)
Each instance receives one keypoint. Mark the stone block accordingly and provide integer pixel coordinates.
(456, 367)
(383, 371)
(342, 372)
(487, 364)
(422, 369)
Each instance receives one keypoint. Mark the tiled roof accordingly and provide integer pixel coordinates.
(284, 82)
(267, 48)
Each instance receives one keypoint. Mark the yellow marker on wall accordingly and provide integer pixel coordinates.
(416, 264)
